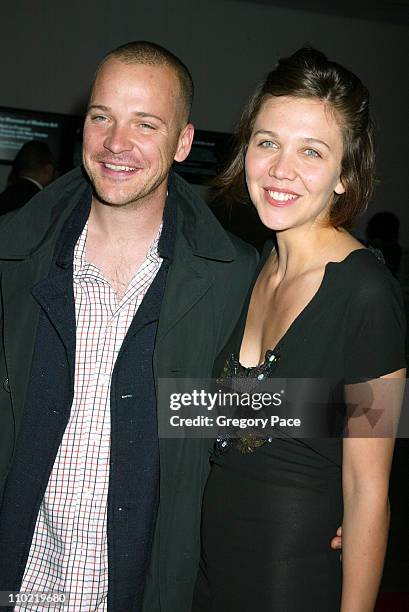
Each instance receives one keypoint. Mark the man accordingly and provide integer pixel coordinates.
(33, 169)
(111, 279)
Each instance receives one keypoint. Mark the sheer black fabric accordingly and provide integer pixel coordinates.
(269, 515)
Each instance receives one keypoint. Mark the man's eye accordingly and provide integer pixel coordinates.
(147, 126)
(312, 153)
(98, 118)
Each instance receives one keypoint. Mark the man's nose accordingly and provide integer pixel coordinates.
(118, 139)
(283, 166)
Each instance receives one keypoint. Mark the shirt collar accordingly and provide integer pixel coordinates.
(74, 228)
(80, 264)
(28, 178)
(79, 261)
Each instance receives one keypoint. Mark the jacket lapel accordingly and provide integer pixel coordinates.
(55, 296)
(27, 244)
(187, 283)
(199, 238)
(21, 317)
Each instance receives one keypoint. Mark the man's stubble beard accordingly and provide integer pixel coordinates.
(132, 200)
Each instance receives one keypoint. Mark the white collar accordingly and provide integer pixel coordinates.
(28, 178)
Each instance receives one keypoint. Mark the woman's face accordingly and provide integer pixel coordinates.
(293, 162)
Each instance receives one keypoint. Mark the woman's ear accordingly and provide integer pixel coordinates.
(340, 187)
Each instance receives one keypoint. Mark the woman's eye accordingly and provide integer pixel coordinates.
(312, 153)
(267, 144)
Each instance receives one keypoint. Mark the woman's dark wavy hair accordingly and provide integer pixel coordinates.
(309, 74)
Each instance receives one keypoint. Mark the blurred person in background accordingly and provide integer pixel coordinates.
(33, 169)
(382, 232)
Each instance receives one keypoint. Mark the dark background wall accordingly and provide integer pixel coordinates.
(49, 51)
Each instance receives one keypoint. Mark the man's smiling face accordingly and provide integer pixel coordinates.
(133, 131)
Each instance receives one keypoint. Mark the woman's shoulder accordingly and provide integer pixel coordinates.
(374, 316)
(373, 297)
(364, 271)
(363, 289)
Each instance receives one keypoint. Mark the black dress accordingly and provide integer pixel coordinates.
(269, 515)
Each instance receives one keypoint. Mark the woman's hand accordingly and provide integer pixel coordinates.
(336, 542)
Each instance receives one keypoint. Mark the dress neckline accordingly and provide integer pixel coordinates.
(301, 315)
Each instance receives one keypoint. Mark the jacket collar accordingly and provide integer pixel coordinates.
(202, 231)
(36, 225)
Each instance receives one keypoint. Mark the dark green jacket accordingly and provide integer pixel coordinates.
(206, 286)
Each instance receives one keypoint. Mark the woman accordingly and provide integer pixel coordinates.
(322, 306)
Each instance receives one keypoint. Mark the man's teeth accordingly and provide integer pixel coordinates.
(119, 168)
(281, 197)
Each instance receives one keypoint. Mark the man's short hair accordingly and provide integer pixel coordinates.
(143, 52)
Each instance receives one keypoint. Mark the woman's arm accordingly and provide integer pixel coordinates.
(365, 476)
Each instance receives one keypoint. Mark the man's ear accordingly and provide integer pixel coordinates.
(185, 142)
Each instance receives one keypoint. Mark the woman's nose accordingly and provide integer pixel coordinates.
(282, 166)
